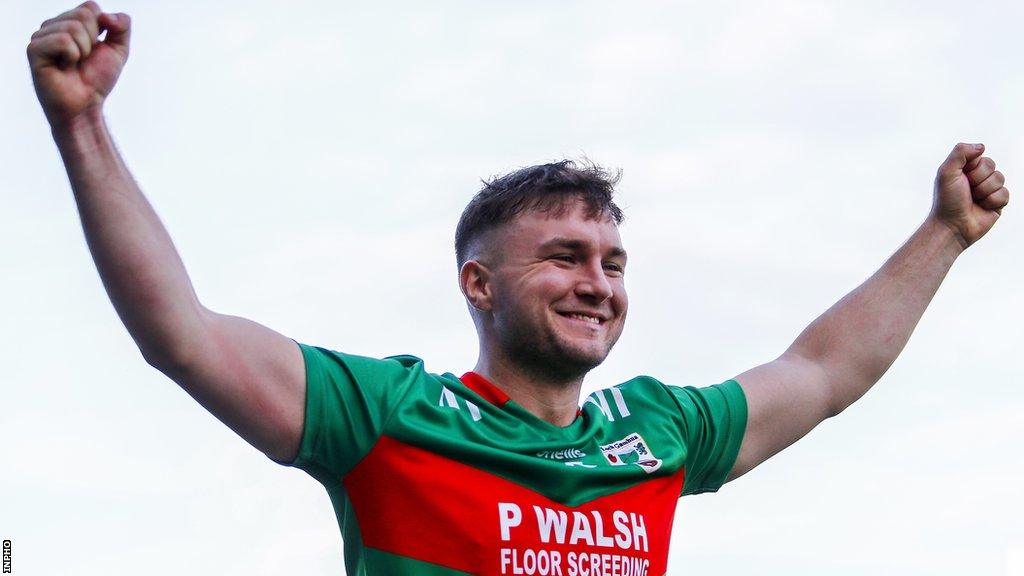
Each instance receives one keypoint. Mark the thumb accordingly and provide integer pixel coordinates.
(119, 29)
(957, 161)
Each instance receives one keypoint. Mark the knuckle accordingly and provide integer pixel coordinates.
(54, 26)
(66, 41)
(62, 16)
(74, 26)
(82, 14)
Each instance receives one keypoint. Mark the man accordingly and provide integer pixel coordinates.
(498, 471)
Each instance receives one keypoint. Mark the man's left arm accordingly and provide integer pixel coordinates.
(840, 355)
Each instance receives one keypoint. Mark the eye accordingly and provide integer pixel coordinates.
(612, 266)
(564, 258)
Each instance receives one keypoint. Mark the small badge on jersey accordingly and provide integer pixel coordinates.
(632, 449)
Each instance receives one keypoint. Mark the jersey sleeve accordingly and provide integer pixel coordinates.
(349, 399)
(714, 421)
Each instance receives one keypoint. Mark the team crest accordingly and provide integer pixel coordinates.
(631, 450)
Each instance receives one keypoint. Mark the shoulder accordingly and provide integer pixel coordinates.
(640, 395)
(349, 378)
(320, 358)
(649, 395)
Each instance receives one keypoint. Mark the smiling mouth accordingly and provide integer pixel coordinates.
(583, 317)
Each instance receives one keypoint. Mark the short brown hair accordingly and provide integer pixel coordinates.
(544, 187)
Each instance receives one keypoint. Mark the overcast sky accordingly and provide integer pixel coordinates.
(311, 159)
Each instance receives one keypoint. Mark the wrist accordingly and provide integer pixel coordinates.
(86, 120)
(952, 241)
(82, 130)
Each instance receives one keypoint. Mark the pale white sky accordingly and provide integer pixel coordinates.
(310, 160)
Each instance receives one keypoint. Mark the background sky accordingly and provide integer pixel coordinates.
(311, 159)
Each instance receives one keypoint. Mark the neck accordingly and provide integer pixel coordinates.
(550, 399)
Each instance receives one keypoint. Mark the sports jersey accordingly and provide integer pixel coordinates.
(433, 474)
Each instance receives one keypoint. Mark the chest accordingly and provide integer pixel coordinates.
(477, 491)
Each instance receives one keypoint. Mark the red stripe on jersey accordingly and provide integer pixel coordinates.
(417, 504)
(484, 388)
(488, 391)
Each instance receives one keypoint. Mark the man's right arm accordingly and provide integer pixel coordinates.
(249, 376)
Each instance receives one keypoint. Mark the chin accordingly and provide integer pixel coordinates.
(584, 359)
(557, 354)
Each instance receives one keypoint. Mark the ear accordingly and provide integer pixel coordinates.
(474, 279)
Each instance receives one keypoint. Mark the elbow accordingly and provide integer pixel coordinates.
(173, 349)
(169, 364)
(844, 391)
(835, 408)
(829, 388)
(173, 359)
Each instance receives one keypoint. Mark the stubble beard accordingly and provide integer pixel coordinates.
(544, 355)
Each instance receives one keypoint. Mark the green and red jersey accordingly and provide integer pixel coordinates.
(433, 474)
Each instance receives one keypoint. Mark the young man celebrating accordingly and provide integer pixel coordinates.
(498, 471)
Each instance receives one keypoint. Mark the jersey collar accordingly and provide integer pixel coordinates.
(484, 388)
(488, 391)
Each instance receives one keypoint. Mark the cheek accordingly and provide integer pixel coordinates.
(620, 301)
(548, 286)
(533, 292)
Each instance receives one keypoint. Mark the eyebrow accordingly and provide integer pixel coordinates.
(578, 245)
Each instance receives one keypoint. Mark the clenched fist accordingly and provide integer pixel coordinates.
(969, 193)
(72, 70)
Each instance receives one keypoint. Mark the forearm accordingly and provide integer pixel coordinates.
(136, 259)
(858, 338)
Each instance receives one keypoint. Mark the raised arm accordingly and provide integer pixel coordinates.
(248, 376)
(847, 349)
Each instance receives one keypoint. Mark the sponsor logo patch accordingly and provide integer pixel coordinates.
(566, 454)
(631, 450)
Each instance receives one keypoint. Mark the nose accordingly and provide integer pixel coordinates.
(593, 283)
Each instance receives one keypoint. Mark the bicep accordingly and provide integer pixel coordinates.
(251, 378)
(786, 399)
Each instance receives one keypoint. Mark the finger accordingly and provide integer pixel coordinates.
(75, 13)
(985, 168)
(963, 153)
(86, 14)
(990, 185)
(53, 49)
(971, 165)
(92, 7)
(952, 166)
(90, 15)
(75, 28)
(119, 30)
(996, 200)
(89, 19)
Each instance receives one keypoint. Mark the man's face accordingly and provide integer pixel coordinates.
(559, 298)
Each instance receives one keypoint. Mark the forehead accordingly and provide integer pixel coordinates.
(533, 228)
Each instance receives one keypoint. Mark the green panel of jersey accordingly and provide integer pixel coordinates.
(437, 474)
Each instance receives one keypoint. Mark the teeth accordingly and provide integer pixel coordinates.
(590, 319)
